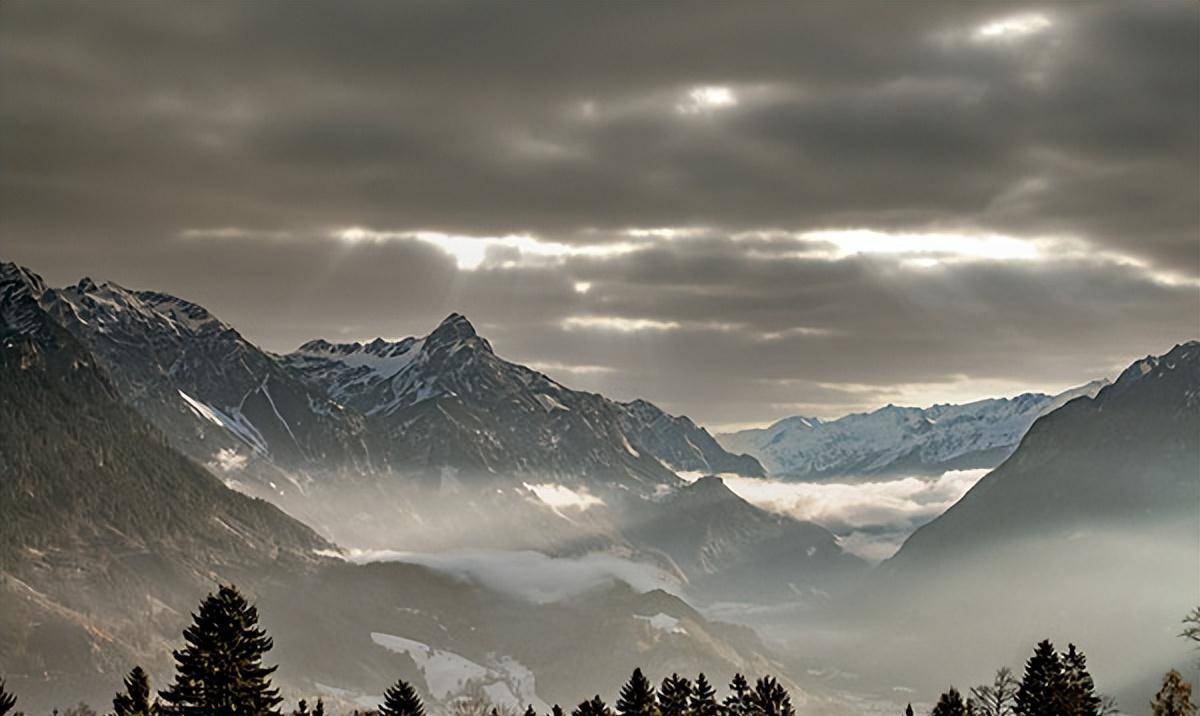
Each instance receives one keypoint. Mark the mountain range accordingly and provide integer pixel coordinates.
(896, 440)
(148, 451)
(109, 536)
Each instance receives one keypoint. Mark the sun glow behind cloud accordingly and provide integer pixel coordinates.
(473, 252)
(1013, 27)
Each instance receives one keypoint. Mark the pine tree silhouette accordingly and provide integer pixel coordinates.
(401, 700)
(135, 701)
(594, 707)
(1173, 699)
(301, 709)
(319, 709)
(771, 699)
(529, 711)
(637, 697)
(1079, 697)
(1044, 684)
(738, 702)
(908, 710)
(674, 696)
(219, 672)
(7, 700)
(704, 698)
(950, 704)
(556, 710)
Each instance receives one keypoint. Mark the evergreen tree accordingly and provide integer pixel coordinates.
(950, 704)
(908, 710)
(595, 707)
(1173, 699)
(999, 697)
(1044, 683)
(1079, 697)
(319, 709)
(556, 710)
(674, 695)
(704, 698)
(529, 711)
(7, 700)
(738, 702)
(401, 700)
(219, 672)
(771, 699)
(637, 697)
(1191, 626)
(135, 701)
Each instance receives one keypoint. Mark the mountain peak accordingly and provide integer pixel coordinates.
(453, 329)
(15, 273)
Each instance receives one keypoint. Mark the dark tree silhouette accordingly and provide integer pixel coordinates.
(1043, 685)
(1174, 698)
(529, 711)
(637, 697)
(999, 697)
(301, 709)
(674, 696)
(908, 710)
(771, 699)
(950, 704)
(319, 709)
(1191, 626)
(556, 710)
(704, 698)
(220, 672)
(135, 700)
(594, 707)
(401, 700)
(1079, 696)
(7, 700)
(738, 701)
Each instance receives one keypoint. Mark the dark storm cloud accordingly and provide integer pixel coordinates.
(216, 150)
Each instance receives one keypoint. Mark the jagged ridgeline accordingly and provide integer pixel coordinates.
(108, 535)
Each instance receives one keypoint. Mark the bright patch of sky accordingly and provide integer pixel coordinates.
(473, 252)
(1012, 27)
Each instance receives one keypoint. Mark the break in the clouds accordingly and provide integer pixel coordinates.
(740, 213)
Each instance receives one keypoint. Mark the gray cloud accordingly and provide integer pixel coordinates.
(215, 151)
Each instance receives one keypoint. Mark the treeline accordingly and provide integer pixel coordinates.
(220, 672)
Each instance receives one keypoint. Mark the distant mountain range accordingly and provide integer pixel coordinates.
(1087, 532)
(899, 441)
(126, 417)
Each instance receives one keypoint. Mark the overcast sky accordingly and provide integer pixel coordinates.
(739, 211)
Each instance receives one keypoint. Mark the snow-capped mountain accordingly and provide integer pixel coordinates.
(683, 445)
(1130, 453)
(1088, 528)
(109, 537)
(895, 440)
(218, 397)
(447, 400)
(275, 425)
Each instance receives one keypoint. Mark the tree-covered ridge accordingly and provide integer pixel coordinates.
(220, 671)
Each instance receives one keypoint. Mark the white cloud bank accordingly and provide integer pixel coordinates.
(530, 575)
(872, 519)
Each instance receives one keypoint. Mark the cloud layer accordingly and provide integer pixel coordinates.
(740, 215)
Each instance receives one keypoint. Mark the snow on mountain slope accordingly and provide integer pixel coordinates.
(448, 400)
(219, 398)
(895, 439)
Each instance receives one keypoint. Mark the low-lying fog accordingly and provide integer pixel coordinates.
(872, 519)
